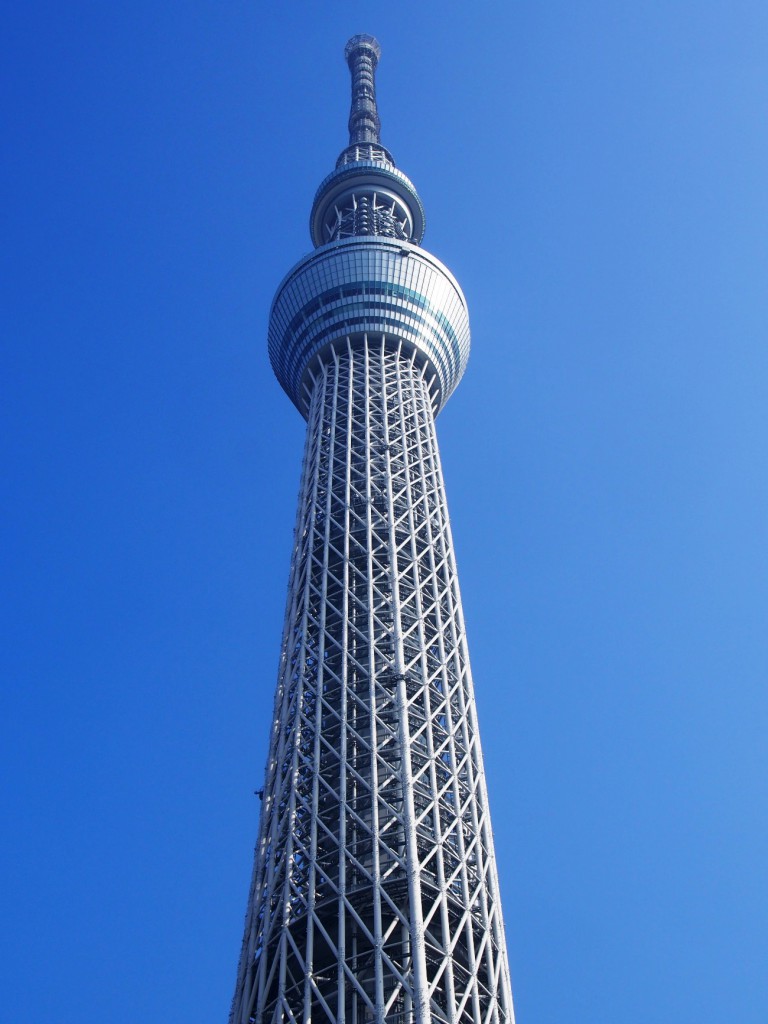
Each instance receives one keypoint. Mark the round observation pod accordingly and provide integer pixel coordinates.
(366, 289)
(366, 197)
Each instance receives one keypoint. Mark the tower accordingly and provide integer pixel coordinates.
(374, 895)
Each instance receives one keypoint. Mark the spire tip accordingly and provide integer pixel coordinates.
(362, 43)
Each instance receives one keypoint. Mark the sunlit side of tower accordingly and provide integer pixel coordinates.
(374, 896)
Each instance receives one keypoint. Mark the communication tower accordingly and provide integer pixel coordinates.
(375, 897)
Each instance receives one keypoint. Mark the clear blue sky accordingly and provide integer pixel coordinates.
(596, 176)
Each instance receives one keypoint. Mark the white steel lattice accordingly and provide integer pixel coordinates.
(374, 896)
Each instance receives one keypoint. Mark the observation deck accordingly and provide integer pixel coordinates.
(368, 276)
(373, 287)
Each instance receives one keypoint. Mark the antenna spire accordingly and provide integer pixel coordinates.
(362, 54)
(365, 194)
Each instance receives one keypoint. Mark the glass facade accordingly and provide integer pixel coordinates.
(368, 286)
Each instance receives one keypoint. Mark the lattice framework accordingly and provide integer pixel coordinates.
(374, 895)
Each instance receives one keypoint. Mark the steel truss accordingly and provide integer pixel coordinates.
(374, 896)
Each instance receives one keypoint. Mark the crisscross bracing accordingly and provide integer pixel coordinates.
(374, 895)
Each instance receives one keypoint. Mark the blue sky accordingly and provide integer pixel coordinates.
(595, 176)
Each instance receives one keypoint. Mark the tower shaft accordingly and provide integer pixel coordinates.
(374, 896)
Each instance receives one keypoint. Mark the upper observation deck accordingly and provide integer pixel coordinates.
(368, 276)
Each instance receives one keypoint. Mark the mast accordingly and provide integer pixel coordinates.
(375, 894)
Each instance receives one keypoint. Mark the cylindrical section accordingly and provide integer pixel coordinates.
(362, 55)
(382, 184)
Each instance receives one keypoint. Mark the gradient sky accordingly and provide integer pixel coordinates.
(596, 176)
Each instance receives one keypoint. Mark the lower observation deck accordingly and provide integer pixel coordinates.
(374, 286)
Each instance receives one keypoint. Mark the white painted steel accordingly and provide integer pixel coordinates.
(374, 895)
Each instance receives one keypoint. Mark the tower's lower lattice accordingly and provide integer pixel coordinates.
(374, 887)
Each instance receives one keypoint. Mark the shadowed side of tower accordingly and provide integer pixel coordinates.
(374, 894)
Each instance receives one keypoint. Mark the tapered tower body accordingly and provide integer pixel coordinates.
(374, 896)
